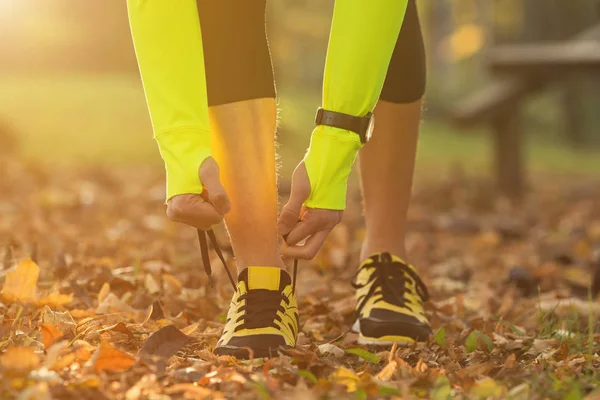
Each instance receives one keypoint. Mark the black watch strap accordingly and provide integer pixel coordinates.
(358, 125)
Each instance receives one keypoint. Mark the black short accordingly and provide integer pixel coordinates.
(238, 62)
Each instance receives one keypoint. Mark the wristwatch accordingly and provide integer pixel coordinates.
(362, 126)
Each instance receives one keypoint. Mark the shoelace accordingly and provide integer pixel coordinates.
(261, 308)
(206, 258)
(390, 276)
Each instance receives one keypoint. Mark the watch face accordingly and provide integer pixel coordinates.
(370, 128)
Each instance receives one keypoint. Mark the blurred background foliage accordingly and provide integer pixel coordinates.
(70, 91)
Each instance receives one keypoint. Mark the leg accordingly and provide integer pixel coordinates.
(242, 113)
(389, 291)
(244, 147)
(387, 161)
(263, 313)
(386, 170)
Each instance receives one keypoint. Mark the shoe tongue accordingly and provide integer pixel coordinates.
(266, 278)
(385, 257)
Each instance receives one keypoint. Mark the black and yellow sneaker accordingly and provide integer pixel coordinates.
(389, 302)
(263, 314)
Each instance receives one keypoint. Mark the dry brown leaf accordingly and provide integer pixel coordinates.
(171, 284)
(151, 284)
(63, 321)
(104, 291)
(21, 283)
(50, 334)
(191, 391)
(118, 327)
(388, 371)
(542, 345)
(39, 391)
(18, 361)
(112, 304)
(329, 348)
(511, 361)
(108, 358)
(55, 300)
(163, 344)
(189, 330)
(83, 350)
(64, 357)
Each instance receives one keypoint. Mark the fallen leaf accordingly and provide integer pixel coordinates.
(440, 337)
(541, 345)
(156, 311)
(112, 304)
(190, 390)
(163, 344)
(50, 334)
(83, 350)
(487, 388)
(364, 354)
(118, 327)
(519, 392)
(151, 284)
(307, 375)
(562, 353)
(39, 391)
(55, 300)
(388, 371)
(189, 330)
(21, 283)
(59, 356)
(441, 389)
(328, 348)
(511, 362)
(344, 376)
(104, 291)
(171, 284)
(108, 358)
(61, 320)
(18, 361)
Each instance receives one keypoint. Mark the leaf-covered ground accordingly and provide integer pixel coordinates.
(102, 297)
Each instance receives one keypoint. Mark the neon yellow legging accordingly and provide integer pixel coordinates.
(168, 45)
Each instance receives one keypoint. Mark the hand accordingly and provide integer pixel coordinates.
(201, 210)
(297, 222)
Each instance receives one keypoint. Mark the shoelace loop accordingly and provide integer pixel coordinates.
(391, 277)
(206, 258)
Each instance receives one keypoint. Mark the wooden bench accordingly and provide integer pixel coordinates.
(522, 70)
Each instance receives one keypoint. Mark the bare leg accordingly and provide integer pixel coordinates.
(386, 170)
(244, 147)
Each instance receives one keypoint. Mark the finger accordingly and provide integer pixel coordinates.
(298, 195)
(191, 209)
(288, 217)
(303, 229)
(310, 248)
(217, 195)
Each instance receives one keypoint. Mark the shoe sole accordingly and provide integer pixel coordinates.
(243, 353)
(387, 340)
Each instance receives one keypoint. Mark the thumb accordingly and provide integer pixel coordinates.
(299, 194)
(217, 196)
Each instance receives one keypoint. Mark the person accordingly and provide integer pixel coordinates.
(206, 71)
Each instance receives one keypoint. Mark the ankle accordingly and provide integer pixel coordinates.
(259, 261)
(396, 248)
